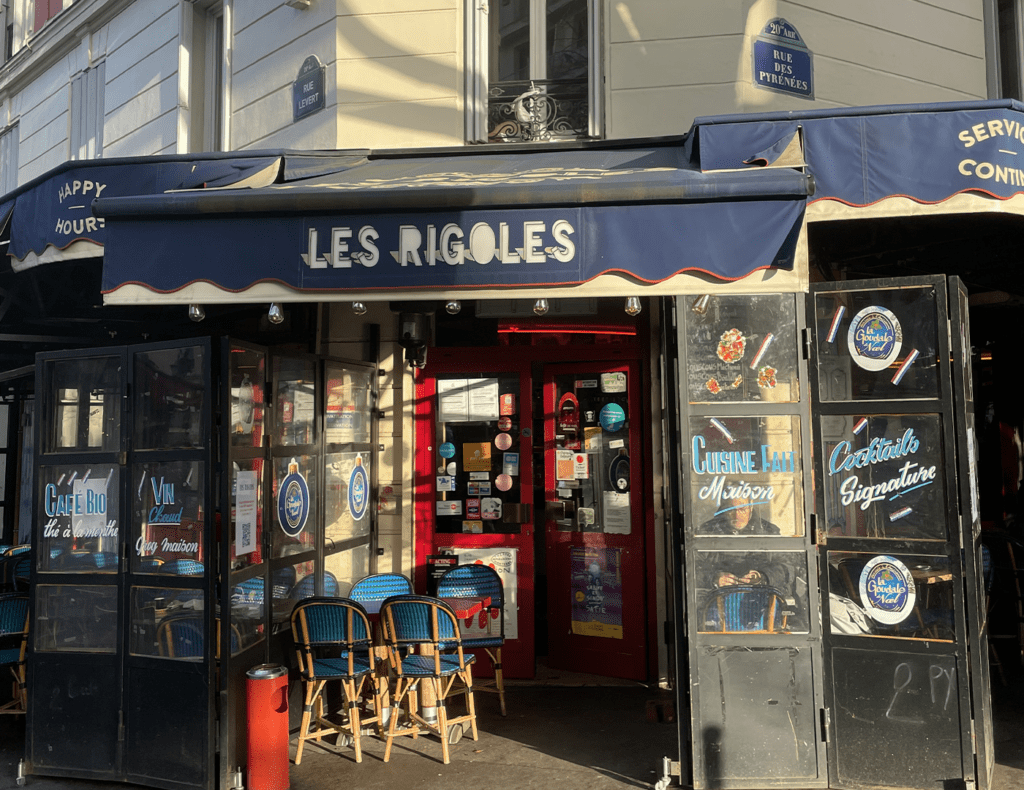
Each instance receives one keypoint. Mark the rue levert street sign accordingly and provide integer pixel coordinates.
(782, 61)
(308, 89)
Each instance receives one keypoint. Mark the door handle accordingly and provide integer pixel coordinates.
(554, 511)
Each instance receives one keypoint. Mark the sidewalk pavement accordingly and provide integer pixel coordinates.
(569, 738)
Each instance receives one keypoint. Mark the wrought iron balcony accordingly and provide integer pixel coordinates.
(538, 110)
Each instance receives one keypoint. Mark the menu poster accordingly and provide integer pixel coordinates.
(245, 513)
(564, 465)
(596, 589)
(505, 562)
(467, 400)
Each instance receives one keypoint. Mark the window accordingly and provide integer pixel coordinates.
(45, 11)
(208, 81)
(7, 26)
(87, 110)
(8, 159)
(533, 71)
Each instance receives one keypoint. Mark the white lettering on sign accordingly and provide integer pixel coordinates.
(452, 244)
(911, 475)
(1002, 132)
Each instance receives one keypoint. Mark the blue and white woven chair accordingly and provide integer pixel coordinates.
(380, 587)
(306, 587)
(429, 626)
(746, 608)
(332, 641)
(477, 581)
(13, 642)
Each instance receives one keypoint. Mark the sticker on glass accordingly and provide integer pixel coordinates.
(612, 417)
(875, 338)
(510, 464)
(504, 423)
(887, 590)
(490, 509)
(452, 468)
(618, 474)
(358, 490)
(449, 507)
(445, 483)
(293, 501)
(502, 441)
(613, 382)
(447, 450)
(585, 517)
(503, 482)
(731, 346)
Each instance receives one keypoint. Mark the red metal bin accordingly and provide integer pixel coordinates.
(267, 698)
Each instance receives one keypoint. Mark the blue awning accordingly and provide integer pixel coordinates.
(859, 156)
(529, 217)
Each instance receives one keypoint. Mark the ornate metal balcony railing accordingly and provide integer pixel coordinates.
(538, 110)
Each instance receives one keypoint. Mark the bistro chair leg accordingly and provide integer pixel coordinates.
(442, 719)
(499, 677)
(307, 712)
(470, 703)
(352, 703)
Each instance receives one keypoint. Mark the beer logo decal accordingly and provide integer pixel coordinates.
(358, 490)
(887, 590)
(875, 338)
(293, 501)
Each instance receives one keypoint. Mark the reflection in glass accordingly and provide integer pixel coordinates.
(285, 584)
(348, 566)
(347, 495)
(746, 476)
(877, 344)
(293, 503)
(741, 348)
(295, 401)
(79, 508)
(909, 596)
(167, 517)
(349, 405)
(774, 580)
(170, 389)
(884, 476)
(75, 618)
(83, 399)
(248, 383)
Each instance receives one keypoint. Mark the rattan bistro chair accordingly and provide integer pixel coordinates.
(380, 586)
(332, 642)
(13, 642)
(429, 626)
(478, 581)
(746, 608)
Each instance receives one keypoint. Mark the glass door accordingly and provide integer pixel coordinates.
(594, 519)
(898, 708)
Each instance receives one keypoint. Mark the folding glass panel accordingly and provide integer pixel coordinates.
(80, 507)
(170, 389)
(167, 517)
(295, 401)
(248, 374)
(294, 502)
(82, 398)
(75, 618)
(741, 348)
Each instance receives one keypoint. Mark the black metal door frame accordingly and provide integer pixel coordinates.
(888, 697)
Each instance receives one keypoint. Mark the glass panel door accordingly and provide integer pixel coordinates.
(897, 682)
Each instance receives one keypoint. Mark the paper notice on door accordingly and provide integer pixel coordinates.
(449, 507)
(483, 399)
(580, 466)
(453, 400)
(617, 513)
(564, 465)
(245, 513)
(592, 438)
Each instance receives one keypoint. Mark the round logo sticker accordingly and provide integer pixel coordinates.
(875, 338)
(358, 490)
(612, 417)
(502, 441)
(887, 590)
(293, 501)
(447, 450)
(504, 423)
(503, 482)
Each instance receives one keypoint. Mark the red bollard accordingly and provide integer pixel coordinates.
(267, 697)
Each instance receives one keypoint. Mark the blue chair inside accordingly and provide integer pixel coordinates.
(743, 607)
(306, 587)
(380, 586)
(281, 581)
(181, 636)
(249, 591)
(16, 550)
(182, 567)
(13, 614)
(23, 572)
(476, 581)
